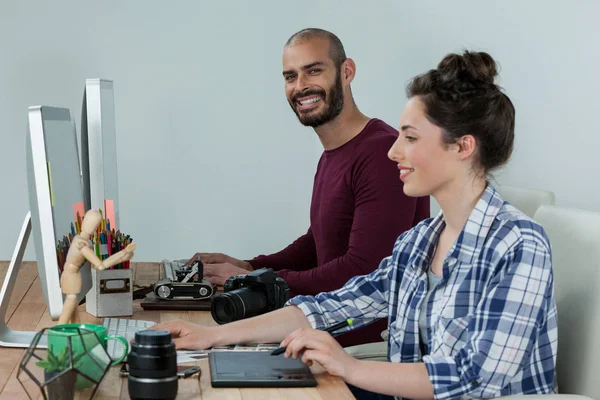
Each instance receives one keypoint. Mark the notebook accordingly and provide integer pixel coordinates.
(257, 369)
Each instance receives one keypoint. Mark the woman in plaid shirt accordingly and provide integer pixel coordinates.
(468, 294)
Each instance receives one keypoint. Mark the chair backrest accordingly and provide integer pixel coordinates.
(526, 200)
(575, 240)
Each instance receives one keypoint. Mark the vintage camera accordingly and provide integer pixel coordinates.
(248, 295)
(184, 282)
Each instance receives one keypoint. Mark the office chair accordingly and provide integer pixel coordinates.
(526, 200)
(575, 240)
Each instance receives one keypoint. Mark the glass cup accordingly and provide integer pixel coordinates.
(88, 349)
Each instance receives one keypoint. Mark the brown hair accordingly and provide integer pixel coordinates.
(461, 98)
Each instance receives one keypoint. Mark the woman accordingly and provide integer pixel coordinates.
(468, 294)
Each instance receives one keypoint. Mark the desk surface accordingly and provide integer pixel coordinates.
(27, 311)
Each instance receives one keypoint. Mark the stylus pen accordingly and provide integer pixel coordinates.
(331, 329)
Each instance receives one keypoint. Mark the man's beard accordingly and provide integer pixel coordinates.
(334, 103)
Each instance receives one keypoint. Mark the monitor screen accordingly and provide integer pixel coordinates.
(55, 197)
(65, 183)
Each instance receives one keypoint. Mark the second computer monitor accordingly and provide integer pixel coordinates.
(99, 149)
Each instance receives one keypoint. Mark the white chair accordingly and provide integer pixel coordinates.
(526, 200)
(575, 240)
(371, 351)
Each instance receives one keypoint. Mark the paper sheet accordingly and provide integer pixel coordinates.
(52, 198)
(185, 356)
(109, 212)
(78, 207)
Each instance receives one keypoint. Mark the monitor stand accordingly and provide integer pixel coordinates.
(9, 337)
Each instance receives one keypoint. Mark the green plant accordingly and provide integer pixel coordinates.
(55, 363)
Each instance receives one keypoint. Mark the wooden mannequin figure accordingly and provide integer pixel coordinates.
(81, 250)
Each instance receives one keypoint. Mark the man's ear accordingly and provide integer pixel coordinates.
(348, 70)
(467, 145)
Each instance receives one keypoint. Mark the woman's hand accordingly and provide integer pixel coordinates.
(319, 346)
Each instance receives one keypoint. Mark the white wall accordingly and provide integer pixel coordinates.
(211, 156)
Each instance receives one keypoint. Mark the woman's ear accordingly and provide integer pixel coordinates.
(467, 145)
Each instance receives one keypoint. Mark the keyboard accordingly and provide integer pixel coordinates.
(123, 327)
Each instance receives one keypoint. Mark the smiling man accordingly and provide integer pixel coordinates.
(358, 206)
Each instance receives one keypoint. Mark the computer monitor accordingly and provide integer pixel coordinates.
(56, 207)
(99, 149)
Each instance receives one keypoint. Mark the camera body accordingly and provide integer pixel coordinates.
(265, 279)
(245, 296)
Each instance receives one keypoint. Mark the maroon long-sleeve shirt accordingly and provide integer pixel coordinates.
(358, 210)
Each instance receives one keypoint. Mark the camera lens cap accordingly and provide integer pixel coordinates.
(153, 338)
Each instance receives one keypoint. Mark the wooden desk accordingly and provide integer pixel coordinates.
(27, 311)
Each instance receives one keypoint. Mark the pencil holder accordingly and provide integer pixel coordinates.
(111, 294)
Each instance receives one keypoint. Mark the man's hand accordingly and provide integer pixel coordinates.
(314, 345)
(217, 274)
(219, 258)
(187, 335)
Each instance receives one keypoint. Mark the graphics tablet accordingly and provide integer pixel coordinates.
(257, 369)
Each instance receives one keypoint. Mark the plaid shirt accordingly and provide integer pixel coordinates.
(491, 318)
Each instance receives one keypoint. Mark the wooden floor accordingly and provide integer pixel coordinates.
(27, 311)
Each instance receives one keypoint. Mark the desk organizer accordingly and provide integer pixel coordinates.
(111, 294)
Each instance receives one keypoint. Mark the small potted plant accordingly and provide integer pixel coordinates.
(59, 387)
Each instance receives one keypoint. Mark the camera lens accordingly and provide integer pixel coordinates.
(238, 304)
(152, 366)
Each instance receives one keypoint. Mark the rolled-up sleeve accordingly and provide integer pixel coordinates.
(364, 299)
(502, 331)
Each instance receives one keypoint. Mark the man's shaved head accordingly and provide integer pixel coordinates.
(336, 48)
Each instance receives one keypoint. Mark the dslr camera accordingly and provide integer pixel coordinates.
(248, 295)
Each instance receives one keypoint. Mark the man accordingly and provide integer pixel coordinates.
(358, 207)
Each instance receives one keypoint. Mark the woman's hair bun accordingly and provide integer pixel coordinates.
(477, 67)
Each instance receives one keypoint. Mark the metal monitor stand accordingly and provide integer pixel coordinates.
(9, 337)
